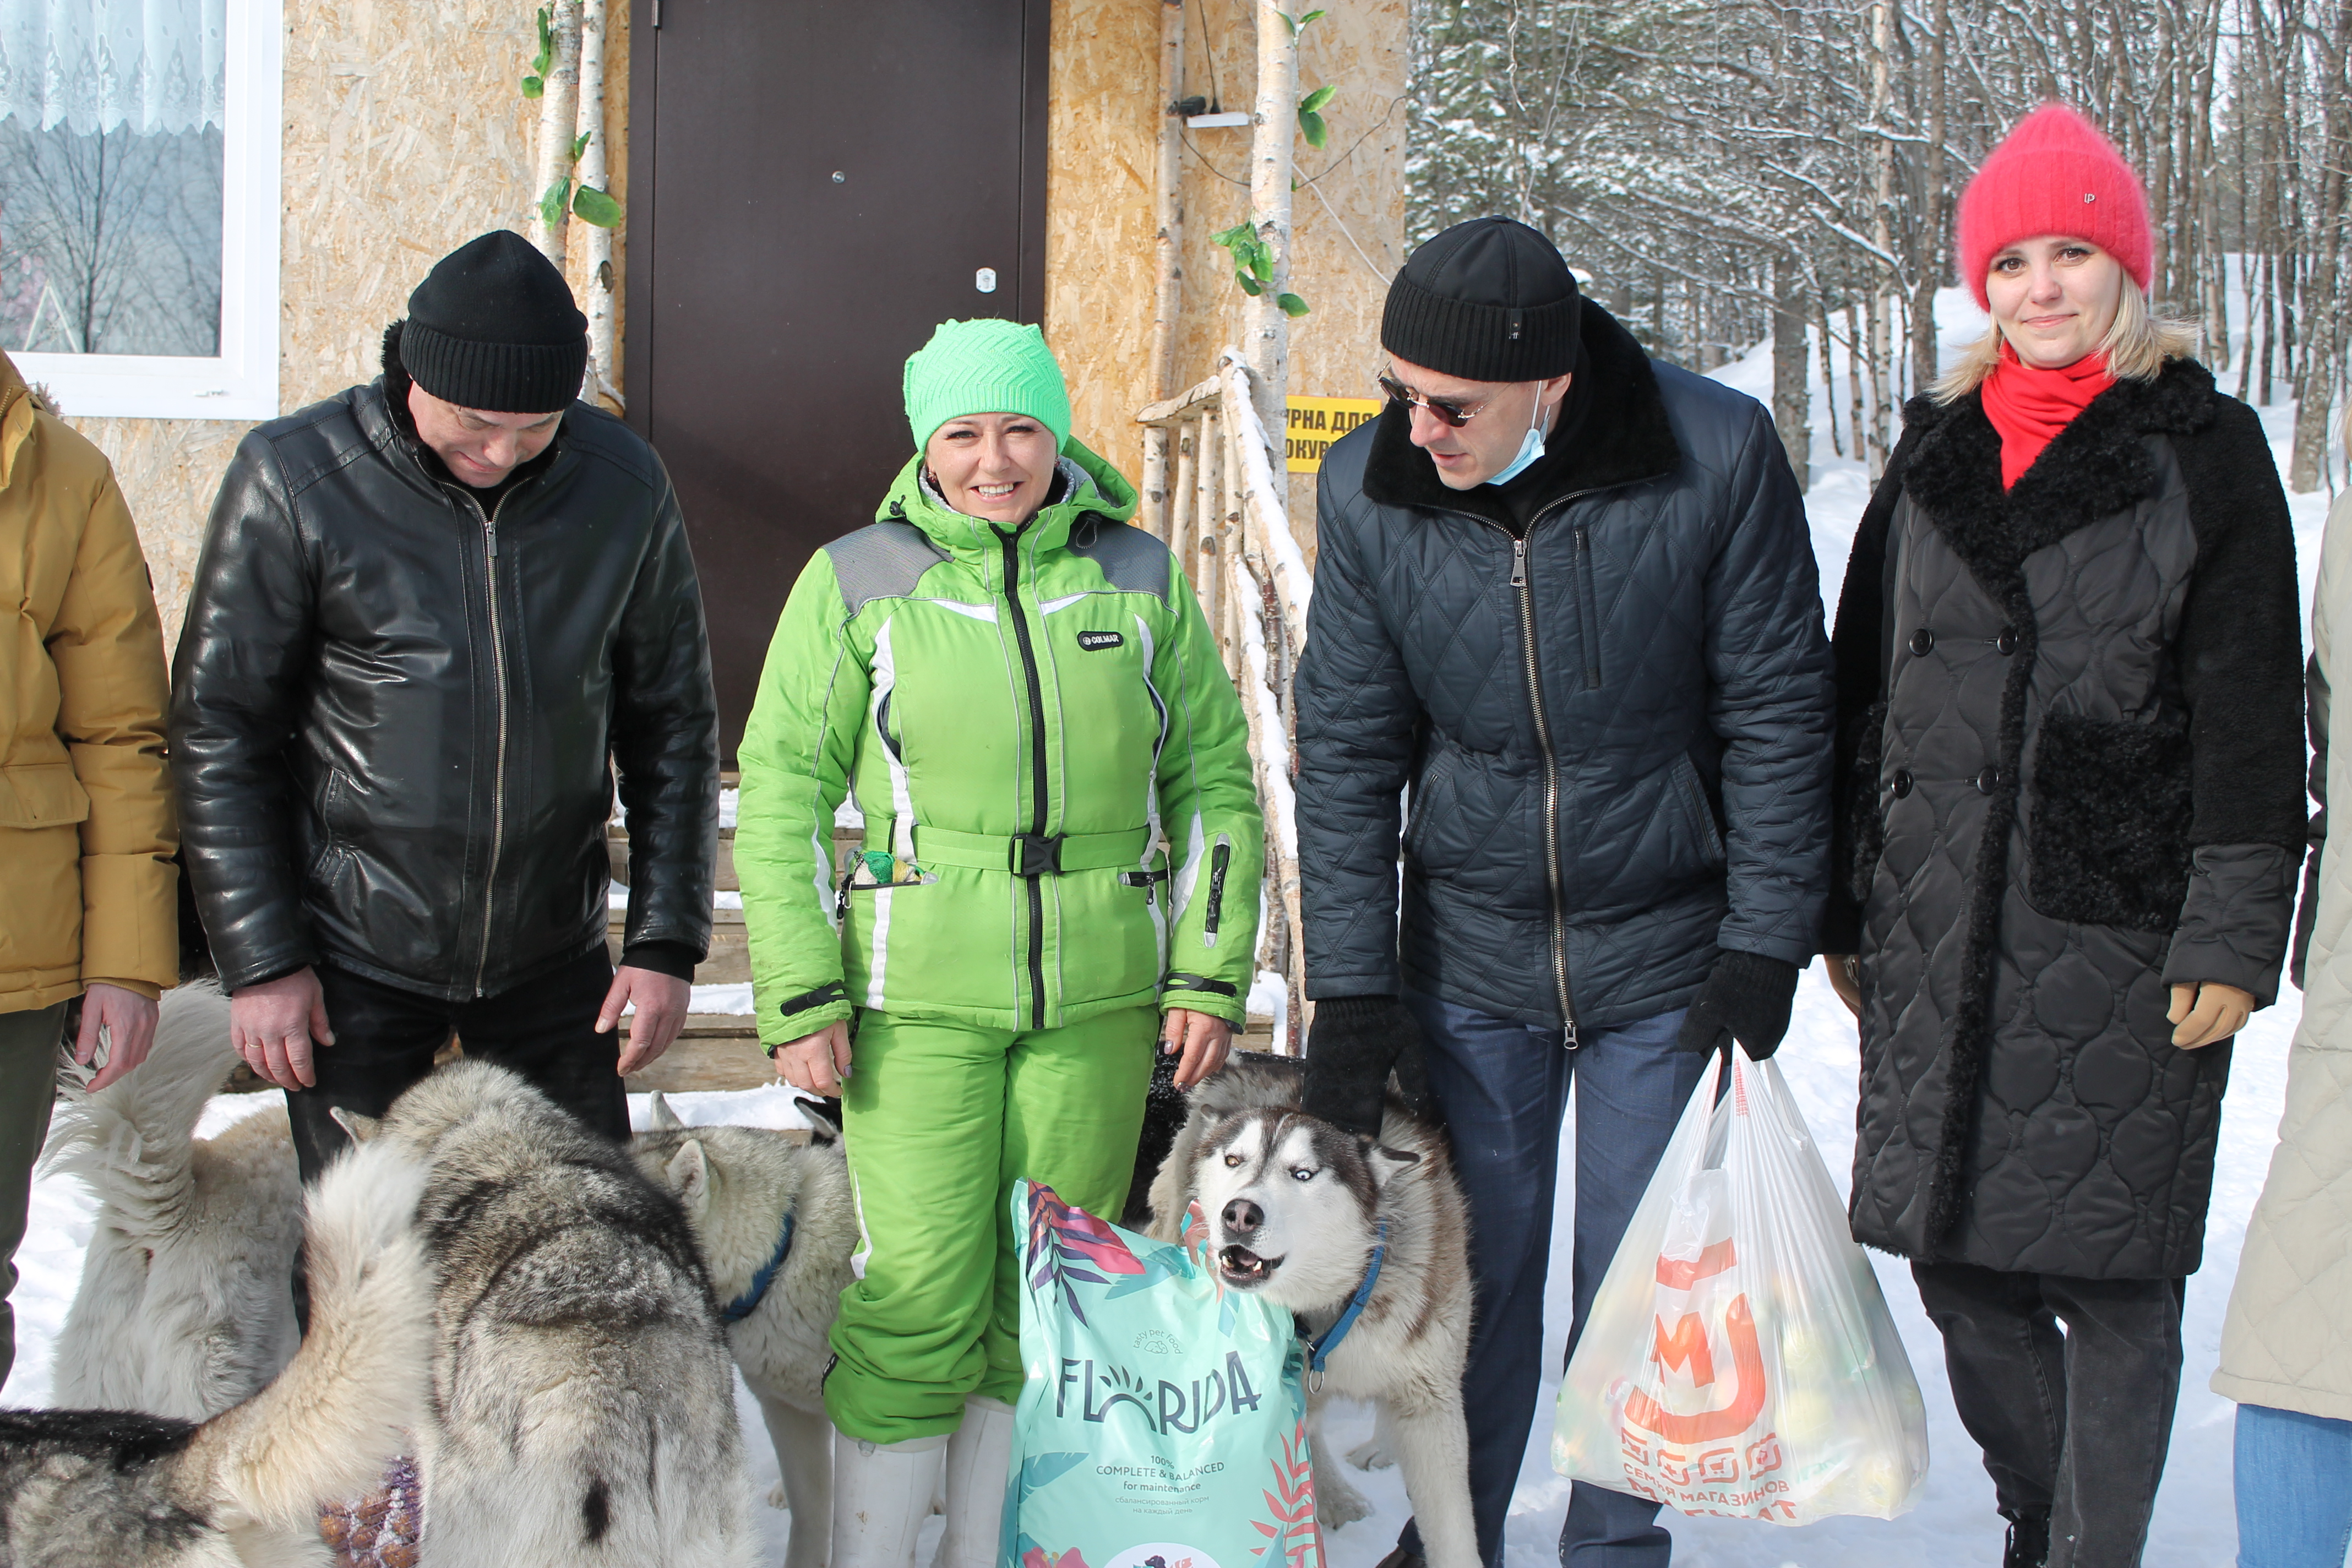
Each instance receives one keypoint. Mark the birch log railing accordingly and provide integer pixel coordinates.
(1208, 493)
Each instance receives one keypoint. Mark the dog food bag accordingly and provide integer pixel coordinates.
(1163, 1423)
(1739, 1359)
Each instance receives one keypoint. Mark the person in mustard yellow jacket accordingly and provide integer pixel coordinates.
(87, 831)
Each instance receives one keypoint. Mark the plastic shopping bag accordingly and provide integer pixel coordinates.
(1738, 1359)
(1163, 1423)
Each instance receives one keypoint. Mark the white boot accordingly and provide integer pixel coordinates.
(980, 1460)
(881, 1495)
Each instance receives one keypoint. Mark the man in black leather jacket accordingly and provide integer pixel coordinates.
(1566, 597)
(431, 615)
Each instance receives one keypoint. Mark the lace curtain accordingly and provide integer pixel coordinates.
(98, 65)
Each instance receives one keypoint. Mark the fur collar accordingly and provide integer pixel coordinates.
(2097, 466)
(1624, 437)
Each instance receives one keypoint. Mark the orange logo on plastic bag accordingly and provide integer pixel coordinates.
(1686, 1347)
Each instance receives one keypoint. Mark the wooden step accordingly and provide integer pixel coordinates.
(714, 1050)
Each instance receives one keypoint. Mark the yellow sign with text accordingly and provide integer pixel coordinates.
(1317, 422)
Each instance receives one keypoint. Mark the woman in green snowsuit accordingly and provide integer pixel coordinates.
(1022, 696)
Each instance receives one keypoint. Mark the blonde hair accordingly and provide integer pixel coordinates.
(2138, 345)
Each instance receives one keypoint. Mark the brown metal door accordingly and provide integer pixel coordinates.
(813, 185)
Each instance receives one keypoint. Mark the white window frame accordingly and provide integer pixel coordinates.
(241, 382)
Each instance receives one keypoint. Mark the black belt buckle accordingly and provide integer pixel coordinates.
(1036, 855)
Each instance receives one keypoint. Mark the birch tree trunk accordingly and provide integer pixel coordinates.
(2321, 352)
(1792, 392)
(559, 112)
(1266, 335)
(1168, 203)
(596, 242)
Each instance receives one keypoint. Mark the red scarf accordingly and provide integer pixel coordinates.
(2028, 406)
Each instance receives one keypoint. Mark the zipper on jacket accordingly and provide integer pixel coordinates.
(1587, 606)
(1012, 542)
(1551, 784)
(1219, 860)
(489, 521)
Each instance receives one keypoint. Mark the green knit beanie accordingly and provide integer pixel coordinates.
(987, 366)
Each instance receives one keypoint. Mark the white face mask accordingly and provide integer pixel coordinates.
(1531, 447)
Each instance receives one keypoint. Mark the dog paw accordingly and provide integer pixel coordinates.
(1337, 1503)
(776, 1496)
(1371, 1454)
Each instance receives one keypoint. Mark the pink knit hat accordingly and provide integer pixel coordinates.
(2053, 174)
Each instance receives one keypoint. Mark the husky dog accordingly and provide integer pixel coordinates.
(582, 1412)
(1293, 1208)
(777, 1225)
(185, 1305)
(99, 1488)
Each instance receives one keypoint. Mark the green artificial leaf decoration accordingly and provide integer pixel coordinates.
(551, 206)
(595, 206)
(1306, 18)
(1292, 305)
(532, 86)
(580, 144)
(1317, 99)
(1289, 21)
(1250, 286)
(1311, 126)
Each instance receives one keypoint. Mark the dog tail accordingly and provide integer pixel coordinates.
(131, 1139)
(342, 1406)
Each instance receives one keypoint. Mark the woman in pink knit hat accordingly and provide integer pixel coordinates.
(2070, 738)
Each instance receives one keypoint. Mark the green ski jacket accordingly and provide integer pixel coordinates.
(1033, 723)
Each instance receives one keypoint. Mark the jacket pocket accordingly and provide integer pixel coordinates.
(1588, 609)
(1427, 791)
(2109, 844)
(1692, 793)
(42, 794)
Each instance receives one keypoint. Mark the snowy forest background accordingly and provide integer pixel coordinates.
(1734, 170)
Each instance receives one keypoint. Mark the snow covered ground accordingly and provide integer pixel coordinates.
(1953, 1524)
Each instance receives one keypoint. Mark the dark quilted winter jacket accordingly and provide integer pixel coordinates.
(2071, 749)
(1617, 742)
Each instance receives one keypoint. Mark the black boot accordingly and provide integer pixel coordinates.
(2029, 1541)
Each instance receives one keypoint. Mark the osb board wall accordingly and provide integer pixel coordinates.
(406, 135)
(1348, 222)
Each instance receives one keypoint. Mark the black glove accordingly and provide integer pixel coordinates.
(1746, 998)
(1355, 1043)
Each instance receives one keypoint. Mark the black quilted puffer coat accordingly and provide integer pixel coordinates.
(1616, 733)
(2071, 761)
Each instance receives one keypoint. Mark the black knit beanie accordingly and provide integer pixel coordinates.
(1489, 300)
(493, 327)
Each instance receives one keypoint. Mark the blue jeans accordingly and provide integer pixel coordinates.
(2295, 1489)
(1503, 1088)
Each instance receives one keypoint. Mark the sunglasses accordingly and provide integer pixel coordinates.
(1452, 414)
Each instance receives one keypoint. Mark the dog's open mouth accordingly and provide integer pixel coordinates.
(1243, 1267)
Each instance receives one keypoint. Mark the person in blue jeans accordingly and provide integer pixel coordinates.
(2286, 1344)
(1566, 605)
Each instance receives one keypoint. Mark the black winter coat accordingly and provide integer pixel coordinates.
(1616, 736)
(2072, 747)
(394, 719)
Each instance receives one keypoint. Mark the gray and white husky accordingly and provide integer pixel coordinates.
(185, 1305)
(582, 1412)
(777, 1223)
(1293, 1208)
(106, 1488)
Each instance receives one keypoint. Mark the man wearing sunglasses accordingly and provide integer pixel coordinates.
(1566, 598)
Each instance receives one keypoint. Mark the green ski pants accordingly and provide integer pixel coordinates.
(939, 1119)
